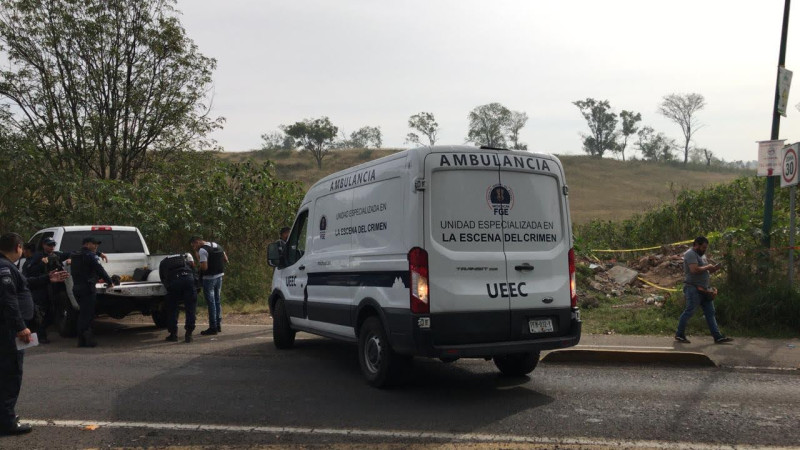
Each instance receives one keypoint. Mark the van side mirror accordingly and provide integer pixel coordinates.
(275, 255)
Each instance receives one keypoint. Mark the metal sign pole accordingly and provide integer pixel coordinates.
(792, 195)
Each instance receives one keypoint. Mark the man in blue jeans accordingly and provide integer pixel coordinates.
(212, 259)
(698, 291)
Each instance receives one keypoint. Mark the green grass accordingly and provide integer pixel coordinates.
(662, 321)
(603, 189)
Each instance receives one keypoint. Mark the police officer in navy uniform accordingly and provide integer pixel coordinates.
(178, 278)
(86, 271)
(37, 273)
(16, 306)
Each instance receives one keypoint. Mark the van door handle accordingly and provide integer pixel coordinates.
(302, 268)
(524, 267)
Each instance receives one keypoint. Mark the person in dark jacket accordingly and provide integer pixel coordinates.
(37, 271)
(86, 272)
(28, 249)
(178, 278)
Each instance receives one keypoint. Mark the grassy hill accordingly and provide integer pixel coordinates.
(599, 188)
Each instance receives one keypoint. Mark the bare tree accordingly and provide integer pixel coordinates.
(681, 109)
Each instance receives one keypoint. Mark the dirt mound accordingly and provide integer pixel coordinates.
(653, 277)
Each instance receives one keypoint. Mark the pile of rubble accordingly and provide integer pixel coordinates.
(642, 277)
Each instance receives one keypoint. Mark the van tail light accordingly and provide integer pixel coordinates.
(573, 294)
(418, 268)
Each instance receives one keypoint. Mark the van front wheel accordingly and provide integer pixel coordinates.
(380, 365)
(282, 332)
(517, 364)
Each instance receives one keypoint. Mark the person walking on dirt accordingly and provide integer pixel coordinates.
(698, 291)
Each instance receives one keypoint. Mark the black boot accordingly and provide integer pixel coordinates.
(172, 338)
(43, 336)
(88, 339)
(219, 328)
(188, 337)
(209, 332)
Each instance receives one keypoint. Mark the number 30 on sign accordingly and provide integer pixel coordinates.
(789, 165)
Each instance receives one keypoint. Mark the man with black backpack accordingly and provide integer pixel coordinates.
(177, 277)
(212, 259)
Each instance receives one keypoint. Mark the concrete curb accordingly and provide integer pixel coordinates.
(673, 358)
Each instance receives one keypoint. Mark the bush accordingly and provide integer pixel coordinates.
(240, 205)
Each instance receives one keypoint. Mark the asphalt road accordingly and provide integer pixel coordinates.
(236, 390)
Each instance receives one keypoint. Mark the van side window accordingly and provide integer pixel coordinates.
(297, 239)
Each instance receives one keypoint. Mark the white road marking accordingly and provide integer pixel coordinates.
(638, 347)
(391, 434)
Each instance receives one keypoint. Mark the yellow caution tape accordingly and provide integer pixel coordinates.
(642, 249)
(657, 286)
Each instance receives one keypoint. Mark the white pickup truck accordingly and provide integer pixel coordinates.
(126, 251)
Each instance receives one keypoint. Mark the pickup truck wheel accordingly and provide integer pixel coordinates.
(517, 364)
(159, 314)
(66, 316)
(381, 366)
(282, 332)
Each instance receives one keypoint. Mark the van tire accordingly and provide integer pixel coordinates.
(66, 317)
(517, 364)
(381, 366)
(282, 332)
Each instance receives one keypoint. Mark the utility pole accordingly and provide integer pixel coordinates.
(776, 125)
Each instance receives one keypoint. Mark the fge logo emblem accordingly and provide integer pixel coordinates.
(500, 199)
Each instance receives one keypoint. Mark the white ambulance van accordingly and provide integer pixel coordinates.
(446, 252)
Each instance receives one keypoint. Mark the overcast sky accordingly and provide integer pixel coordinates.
(371, 62)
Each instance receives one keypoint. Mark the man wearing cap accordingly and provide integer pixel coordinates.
(37, 271)
(86, 271)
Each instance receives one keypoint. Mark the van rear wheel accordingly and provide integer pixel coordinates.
(381, 366)
(517, 364)
(282, 332)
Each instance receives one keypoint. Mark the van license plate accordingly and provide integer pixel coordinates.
(541, 325)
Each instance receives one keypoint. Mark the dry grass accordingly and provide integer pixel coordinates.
(604, 189)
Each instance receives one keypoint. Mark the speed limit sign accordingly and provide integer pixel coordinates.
(789, 165)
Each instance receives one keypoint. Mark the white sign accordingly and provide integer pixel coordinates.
(784, 83)
(789, 176)
(769, 157)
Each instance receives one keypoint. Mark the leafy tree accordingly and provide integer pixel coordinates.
(681, 109)
(99, 83)
(366, 137)
(602, 125)
(276, 140)
(655, 146)
(315, 136)
(488, 125)
(426, 125)
(629, 121)
(518, 120)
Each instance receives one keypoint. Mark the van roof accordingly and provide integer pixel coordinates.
(421, 152)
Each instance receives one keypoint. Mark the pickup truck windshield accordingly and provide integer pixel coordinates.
(113, 241)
